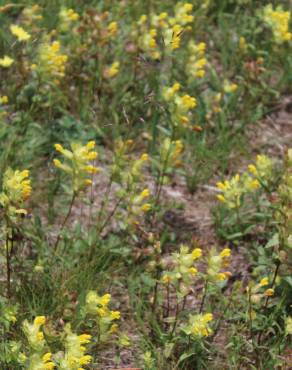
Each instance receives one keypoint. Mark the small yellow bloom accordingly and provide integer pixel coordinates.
(145, 193)
(196, 253)
(39, 320)
(225, 253)
(85, 360)
(144, 157)
(221, 276)
(146, 207)
(40, 336)
(19, 32)
(269, 292)
(6, 61)
(221, 198)
(47, 357)
(84, 338)
(252, 169)
(264, 281)
(3, 99)
(115, 315)
(193, 271)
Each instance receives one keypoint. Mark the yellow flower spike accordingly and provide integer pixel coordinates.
(20, 33)
(278, 20)
(269, 292)
(39, 320)
(6, 61)
(199, 325)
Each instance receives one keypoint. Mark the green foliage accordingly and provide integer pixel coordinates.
(106, 108)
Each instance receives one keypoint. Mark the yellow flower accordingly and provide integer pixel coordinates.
(229, 87)
(19, 32)
(221, 198)
(196, 253)
(6, 61)
(269, 292)
(3, 99)
(76, 164)
(115, 315)
(198, 325)
(144, 157)
(85, 360)
(278, 20)
(112, 28)
(166, 278)
(47, 357)
(145, 193)
(39, 320)
(146, 207)
(221, 276)
(193, 271)
(51, 62)
(112, 70)
(225, 252)
(252, 169)
(40, 336)
(84, 338)
(264, 281)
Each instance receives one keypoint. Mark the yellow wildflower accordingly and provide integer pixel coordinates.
(3, 99)
(6, 61)
(264, 281)
(278, 20)
(196, 253)
(225, 252)
(199, 325)
(20, 33)
(146, 207)
(112, 70)
(269, 292)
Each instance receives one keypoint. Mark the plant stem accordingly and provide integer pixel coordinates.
(204, 297)
(65, 221)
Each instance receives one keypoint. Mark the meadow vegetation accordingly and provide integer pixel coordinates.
(114, 116)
